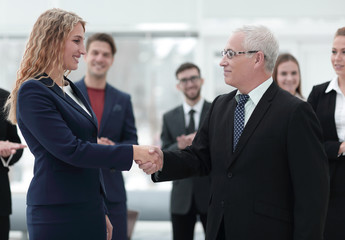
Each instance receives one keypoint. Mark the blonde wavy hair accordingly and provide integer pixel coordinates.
(44, 50)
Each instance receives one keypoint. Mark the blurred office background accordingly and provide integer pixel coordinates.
(154, 37)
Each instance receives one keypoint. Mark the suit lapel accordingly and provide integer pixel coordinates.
(230, 128)
(81, 96)
(330, 106)
(55, 88)
(204, 111)
(110, 104)
(254, 120)
(180, 121)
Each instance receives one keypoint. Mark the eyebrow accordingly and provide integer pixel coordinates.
(80, 37)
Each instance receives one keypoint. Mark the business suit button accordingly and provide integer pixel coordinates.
(229, 175)
(112, 170)
(222, 203)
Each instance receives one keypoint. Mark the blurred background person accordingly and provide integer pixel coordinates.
(189, 197)
(116, 124)
(9, 156)
(287, 74)
(328, 101)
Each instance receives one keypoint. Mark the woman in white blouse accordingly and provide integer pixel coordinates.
(328, 101)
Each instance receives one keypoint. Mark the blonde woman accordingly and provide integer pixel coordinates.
(287, 74)
(328, 101)
(65, 197)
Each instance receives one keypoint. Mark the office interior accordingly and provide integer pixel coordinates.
(153, 38)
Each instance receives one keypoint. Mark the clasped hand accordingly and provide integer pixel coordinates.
(149, 158)
(8, 148)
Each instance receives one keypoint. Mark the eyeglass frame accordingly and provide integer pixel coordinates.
(192, 79)
(225, 52)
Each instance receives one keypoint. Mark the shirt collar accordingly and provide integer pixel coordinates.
(256, 94)
(197, 107)
(333, 85)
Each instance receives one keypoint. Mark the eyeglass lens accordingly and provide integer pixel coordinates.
(192, 79)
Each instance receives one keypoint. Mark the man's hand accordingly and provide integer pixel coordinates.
(105, 141)
(8, 148)
(184, 141)
(149, 158)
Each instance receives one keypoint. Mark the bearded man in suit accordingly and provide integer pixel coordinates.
(189, 197)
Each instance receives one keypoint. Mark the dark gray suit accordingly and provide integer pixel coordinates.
(184, 190)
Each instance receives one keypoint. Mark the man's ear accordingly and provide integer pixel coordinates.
(260, 57)
(202, 81)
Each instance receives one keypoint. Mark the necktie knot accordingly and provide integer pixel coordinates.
(243, 98)
(191, 112)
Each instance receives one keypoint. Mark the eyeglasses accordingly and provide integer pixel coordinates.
(192, 79)
(230, 54)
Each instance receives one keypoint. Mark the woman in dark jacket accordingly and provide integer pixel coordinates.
(328, 101)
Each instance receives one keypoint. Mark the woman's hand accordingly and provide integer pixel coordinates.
(109, 228)
(149, 158)
(341, 148)
(8, 148)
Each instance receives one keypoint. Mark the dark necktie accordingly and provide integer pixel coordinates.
(191, 126)
(239, 119)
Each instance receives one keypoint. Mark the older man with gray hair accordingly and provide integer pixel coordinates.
(262, 148)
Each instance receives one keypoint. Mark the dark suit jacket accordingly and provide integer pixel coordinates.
(324, 107)
(275, 184)
(119, 126)
(7, 132)
(63, 139)
(183, 191)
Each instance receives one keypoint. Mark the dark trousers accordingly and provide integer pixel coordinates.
(183, 224)
(4, 227)
(221, 232)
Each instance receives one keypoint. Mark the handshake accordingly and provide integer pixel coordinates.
(149, 158)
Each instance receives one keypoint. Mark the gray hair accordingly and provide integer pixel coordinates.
(260, 38)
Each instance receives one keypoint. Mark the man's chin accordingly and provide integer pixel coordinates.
(98, 75)
(193, 97)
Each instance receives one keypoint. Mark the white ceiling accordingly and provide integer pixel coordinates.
(203, 16)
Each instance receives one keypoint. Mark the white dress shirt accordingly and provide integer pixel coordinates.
(339, 113)
(197, 108)
(68, 90)
(254, 97)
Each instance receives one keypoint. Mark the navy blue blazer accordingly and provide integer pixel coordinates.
(63, 139)
(118, 125)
